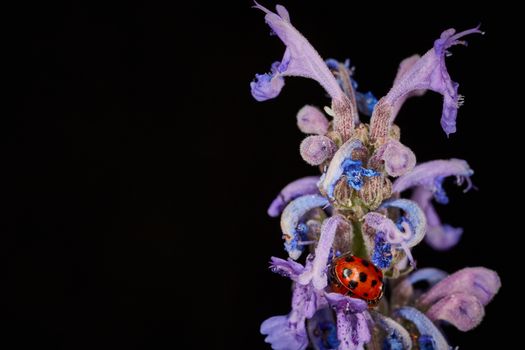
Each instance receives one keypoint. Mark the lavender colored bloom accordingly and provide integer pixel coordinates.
(316, 272)
(268, 85)
(355, 209)
(412, 229)
(431, 174)
(297, 188)
(311, 120)
(302, 60)
(439, 236)
(398, 158)
(293, 233)
(317, 149)
(289, 331)
(428, 178)
(462, 310)
(429, 72)
(477, 281)
(352, 327)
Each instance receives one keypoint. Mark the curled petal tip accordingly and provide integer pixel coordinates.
(317, 149)
(477, 281)
(316, 271)
(443, 237)
(290, 222)
(311, 120)
(464, 311)
(427, 329)
(295, 189)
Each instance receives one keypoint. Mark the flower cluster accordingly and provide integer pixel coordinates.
(356, 206)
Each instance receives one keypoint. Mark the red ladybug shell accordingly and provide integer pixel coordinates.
(356, 277)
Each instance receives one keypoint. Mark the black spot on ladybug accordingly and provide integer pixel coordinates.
(374, 282)
(375, 268)
(365, 294)
(362, 276)
(349, 259)
(347, 273)
(352, 284)
(350, 293)
(365, 263)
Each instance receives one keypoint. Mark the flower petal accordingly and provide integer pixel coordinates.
(429, 72)
(287, 268)
(289, 332)
(439, 236)
(352, 326)
(425, 327)
(413, 234)
(464, 311)
(290, 220)
(477, 281)
(404, 67)
(317, 149)
(266, 86)
(283, 335)
(413, 225)
(297, 188)
(398, 158)
(311, 120)
(430, 175)
(306, 301)
(443, 237)
(300, 58)
(345, 303)
(316, 272)
(335, 169)
(395, 332)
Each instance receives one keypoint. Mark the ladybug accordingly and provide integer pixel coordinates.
(357, 278)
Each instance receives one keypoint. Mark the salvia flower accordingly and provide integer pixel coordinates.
(355, 209)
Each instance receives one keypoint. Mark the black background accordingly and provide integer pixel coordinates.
(138, 168)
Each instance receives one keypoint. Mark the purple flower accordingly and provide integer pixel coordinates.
(294, 233)
(428, 179)
(355, 209)
(268, 85)
(431, 175)
(316, 272)
(317, 149)
(297, 188)
(352, 325)
(302, 60)
(311, 120)
(429, 72)
(439, 236)
(397, 158)
(405, 235)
